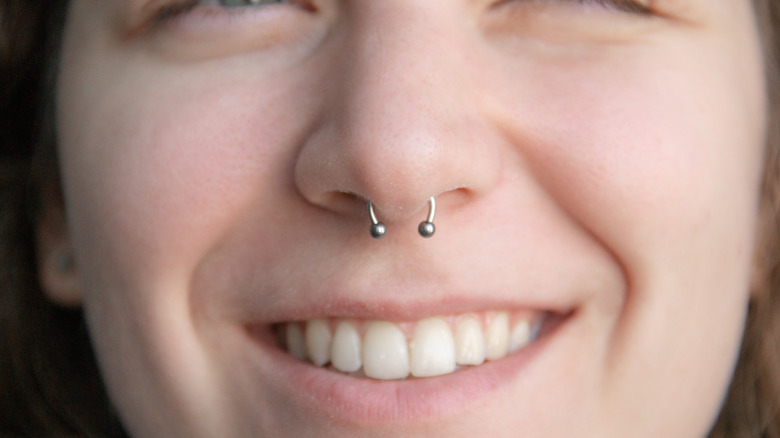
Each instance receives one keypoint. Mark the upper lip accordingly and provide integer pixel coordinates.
(390, 302)
(342, 287)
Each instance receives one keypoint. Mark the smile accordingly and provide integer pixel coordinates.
(360, 368)
(429, 347)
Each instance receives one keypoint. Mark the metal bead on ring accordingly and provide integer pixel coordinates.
(426, 227)
(378, 229)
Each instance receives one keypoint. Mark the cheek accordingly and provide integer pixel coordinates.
(661, 166)
(157, 169)
(165, 165)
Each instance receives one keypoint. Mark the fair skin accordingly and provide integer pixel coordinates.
(592, 166)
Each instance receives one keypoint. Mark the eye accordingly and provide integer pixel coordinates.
(632, 6)
(640, 7)
(175, 9)
(574, 23)
(240, 3)
(197, 30)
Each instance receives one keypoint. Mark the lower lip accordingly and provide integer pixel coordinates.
(360, 400)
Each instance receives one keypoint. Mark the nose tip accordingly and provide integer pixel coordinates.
(396, 151)
(399, 173)
(399, 123)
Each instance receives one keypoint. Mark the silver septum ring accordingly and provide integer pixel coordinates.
(426, 227)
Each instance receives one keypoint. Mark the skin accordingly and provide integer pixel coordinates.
(215, 172)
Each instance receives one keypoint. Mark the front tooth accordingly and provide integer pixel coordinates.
(293, 337)
(318, 341)
(432, 349)
(520, 337)
(469, 342)
(385, 354)
(345, 350)
(497, 337)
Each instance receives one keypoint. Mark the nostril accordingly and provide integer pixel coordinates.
(341, 203)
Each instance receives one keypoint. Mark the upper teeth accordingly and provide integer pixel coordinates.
(384, 352)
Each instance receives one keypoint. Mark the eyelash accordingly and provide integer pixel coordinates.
(178, 8)
(175, 9)
(630, 6)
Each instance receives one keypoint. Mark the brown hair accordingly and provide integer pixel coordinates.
(752, 407)
(48, 376)
(49, 382)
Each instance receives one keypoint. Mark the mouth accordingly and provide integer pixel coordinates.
(431, 347)
(367, 371)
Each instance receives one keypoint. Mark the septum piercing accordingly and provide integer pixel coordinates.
(378, 229)
(426, 227)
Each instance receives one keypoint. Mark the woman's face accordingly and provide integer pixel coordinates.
(595, 165)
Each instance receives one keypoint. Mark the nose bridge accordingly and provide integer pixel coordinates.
(400, 108)
(397, 108)
(400, 62)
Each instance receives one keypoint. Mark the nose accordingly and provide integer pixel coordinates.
(402, 120)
